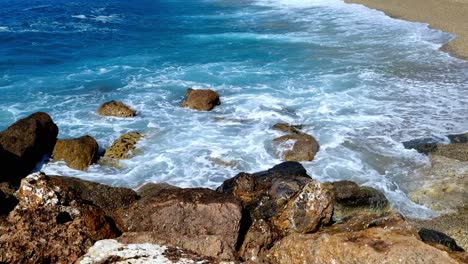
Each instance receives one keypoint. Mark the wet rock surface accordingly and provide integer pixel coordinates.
(348, 197)
(288, 128)
(24, 144)
(51, 225)
(201, 100)
(297, 147)
(201, 220)
(123, 146)
(116, 108)
(78, 153)
(433, 236)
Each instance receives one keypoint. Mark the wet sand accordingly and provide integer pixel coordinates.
(447, 15)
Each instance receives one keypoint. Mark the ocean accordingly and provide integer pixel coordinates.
(357, 80)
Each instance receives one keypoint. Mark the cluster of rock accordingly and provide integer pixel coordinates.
(442, 186)
(276, 216)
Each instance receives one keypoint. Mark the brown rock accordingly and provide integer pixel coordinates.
(373, 245)
(348, 197)
(458, 151)
(122, 147)
(284, 196)
(116, 108)
(51, 225)
(297, 147)
(259, 238)
(24, 144)
(293, 129)
(201, 100)
(200, 220)
(78, 153)
(154, 189)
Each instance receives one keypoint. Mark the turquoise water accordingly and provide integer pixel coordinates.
(359, 81)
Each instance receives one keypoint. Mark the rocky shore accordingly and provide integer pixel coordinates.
(280, 215)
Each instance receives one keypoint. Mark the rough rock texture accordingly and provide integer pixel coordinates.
(122, 147)
(24, 144)
(458, 151)
(433, 236)
(108, 198)
(258, 239)
(297, 147)
(201, 100)
(200, 220)
(442, 186)
(293, 129)
(373, 245)
(111, 251)
(284, 196)
(116, 108)
(78, 153)
(421, 145)
(51, 225)
(154, 189)
(453, 224)
(458, 138)
(348, 197)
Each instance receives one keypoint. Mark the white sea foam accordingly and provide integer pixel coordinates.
(4, 29)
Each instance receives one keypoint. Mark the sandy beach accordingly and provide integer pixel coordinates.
(447, 15)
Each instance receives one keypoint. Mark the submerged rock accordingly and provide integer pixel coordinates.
(297, 147)
(51, 224)
(123, 146)
(116, 108)
(24, 144)
(200, 220)
(348, 198)
(111, 251)
(201, 100)
(78, 153)
(293, 129)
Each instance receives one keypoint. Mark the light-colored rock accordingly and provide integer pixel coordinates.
(201, 100)
(123, 146)
(111, 251)
(373, 245)
(78, 153)
(116, 108)
(297, 147)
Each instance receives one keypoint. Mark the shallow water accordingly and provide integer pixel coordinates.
(359, 81)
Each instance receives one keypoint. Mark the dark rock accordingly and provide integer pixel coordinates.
(116, 108)
(51, 224)
(297, 147)
(122, 147)
(105, 197)
(24, 144)
(78, 153)
(429, 235)
(201, 100)
(284, 196)
(259, 238)
(348, 197)
(293, 129)
(201, 220)
(422, 145)
(7, 200)
(458, 138)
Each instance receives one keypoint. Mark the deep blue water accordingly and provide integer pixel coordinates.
(359, 81)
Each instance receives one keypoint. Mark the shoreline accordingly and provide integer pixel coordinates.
(446, 15)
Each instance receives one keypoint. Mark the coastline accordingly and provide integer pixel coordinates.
(446, 15)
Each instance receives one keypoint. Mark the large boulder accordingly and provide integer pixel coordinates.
(78, 153)
(123, 146)
(284, 196)
(201, 100)
(51, 224)
(348, 197)
(24, 144)
(297, 147)
(116, 108)
(372, 245)
(200, 220)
